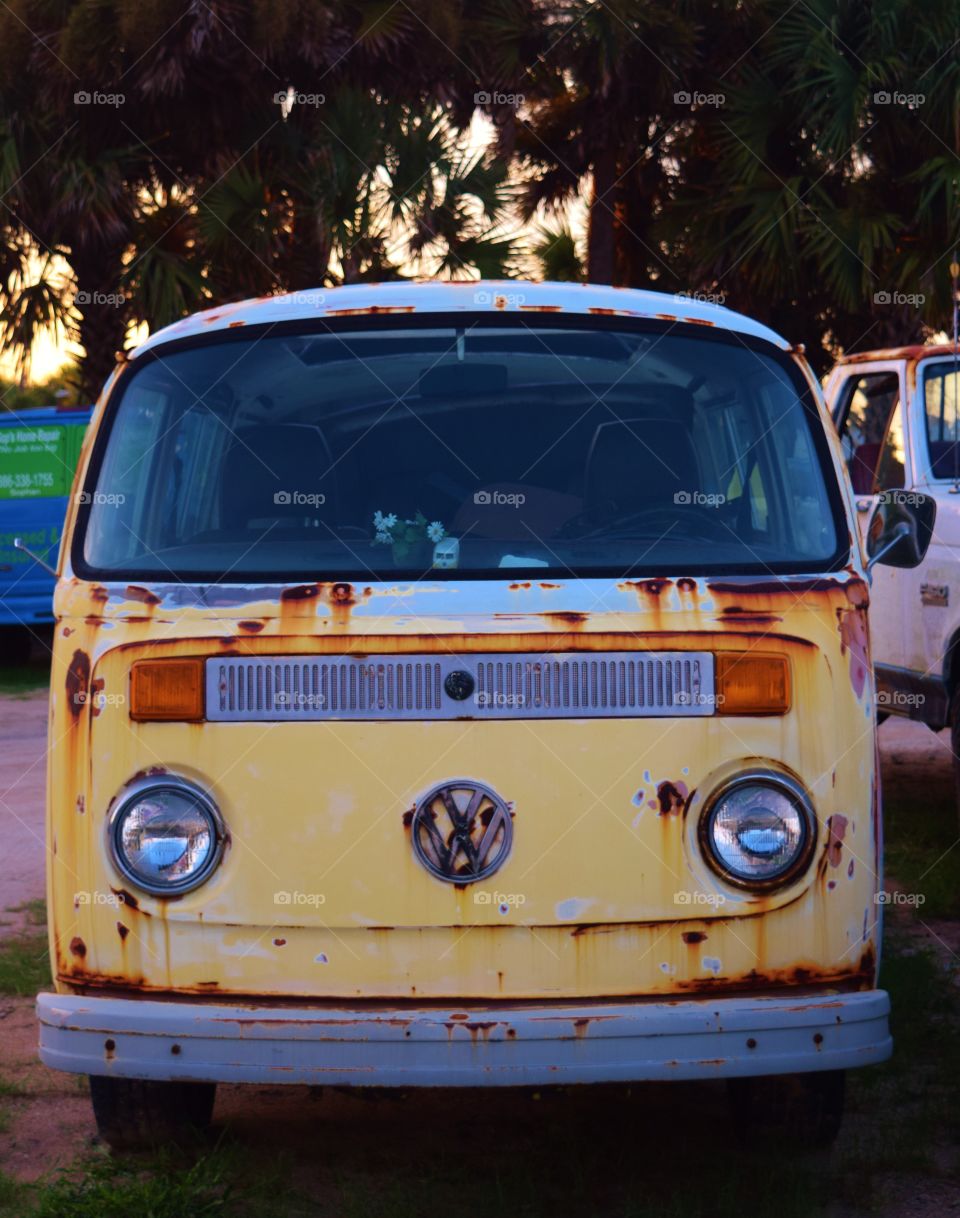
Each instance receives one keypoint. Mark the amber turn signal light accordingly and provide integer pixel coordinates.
(752, 684)
(166, 690)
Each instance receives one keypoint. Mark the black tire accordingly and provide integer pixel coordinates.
(137, 1114)
(955, 737)
(806, 1107)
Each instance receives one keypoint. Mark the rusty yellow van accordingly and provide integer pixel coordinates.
(463, 685)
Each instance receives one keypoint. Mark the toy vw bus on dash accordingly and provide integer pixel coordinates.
(463, 688)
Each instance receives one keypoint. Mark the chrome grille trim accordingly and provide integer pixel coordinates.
(534, 685)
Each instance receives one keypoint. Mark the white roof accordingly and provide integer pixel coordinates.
(483, 296)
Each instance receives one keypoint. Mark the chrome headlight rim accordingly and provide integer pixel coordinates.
(785, 784)
(165, 782)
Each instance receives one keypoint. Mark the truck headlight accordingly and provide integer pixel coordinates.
(166, 835)
(758, 830)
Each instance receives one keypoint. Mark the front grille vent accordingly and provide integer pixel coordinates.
(568, 685)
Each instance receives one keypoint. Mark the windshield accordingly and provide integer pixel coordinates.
(464, 447)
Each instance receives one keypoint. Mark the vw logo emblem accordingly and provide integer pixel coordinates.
(462, 831)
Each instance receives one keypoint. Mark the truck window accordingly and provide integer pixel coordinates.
(940, 407)
(872, 432)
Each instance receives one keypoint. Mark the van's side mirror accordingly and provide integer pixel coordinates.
(900, 529)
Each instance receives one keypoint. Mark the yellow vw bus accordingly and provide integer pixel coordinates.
(464, 685)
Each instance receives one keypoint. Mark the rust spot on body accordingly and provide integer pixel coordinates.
(148, 772)
(693, 936)
(137, 593)
(836, 831)
(78, 683)
(651, 587)
(128, 899)
(251, 627)
(370, 311)
(78, 947)
(854, 638)
(777, 587)
(567, 618)
(745, 615)
(672, 797)
(300, 592)
(122, 930)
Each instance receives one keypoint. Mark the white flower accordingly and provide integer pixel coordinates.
(389, 521)
(382, 523)
(378, 521)
(383, 539)
(435, 531)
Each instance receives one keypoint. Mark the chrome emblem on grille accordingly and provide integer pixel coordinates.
(462, 831)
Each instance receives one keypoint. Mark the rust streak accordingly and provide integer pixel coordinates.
(137, 593)
(78, 683)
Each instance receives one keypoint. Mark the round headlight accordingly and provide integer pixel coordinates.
(758, 831)
(166, 836)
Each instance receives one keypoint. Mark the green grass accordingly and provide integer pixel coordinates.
(163, 1186)
(12, 1201)
(923, 852)
(35, 910)
(22, 679)
(24, 964)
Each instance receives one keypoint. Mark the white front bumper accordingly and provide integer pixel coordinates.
(519, 1044)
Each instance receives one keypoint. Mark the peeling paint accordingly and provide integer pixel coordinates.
(836, 831)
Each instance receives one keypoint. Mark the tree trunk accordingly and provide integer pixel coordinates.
(638, 261)
(103, 317)
(600, 247)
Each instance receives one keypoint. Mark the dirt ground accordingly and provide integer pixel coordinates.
(51, 1127)
(23, 740)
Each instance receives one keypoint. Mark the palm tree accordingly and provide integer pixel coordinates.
(194, 187)
(555, 250)
(603, 110)
(824, 191)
